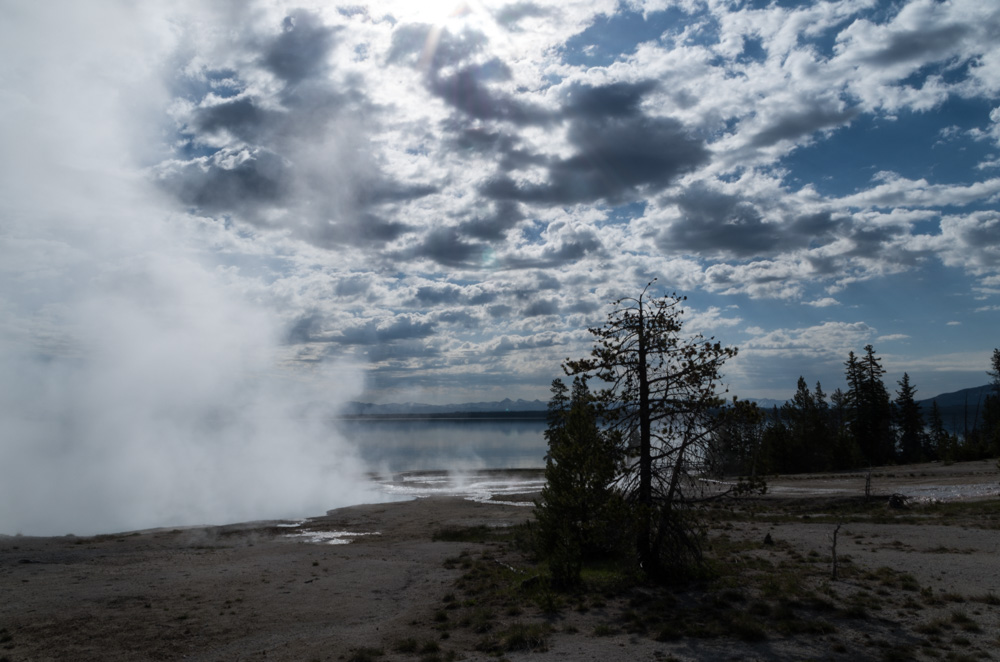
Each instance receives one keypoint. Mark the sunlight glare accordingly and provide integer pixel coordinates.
(442, 12)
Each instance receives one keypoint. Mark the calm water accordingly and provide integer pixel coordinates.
(447, 444)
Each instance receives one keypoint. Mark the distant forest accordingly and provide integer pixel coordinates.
(863, 426)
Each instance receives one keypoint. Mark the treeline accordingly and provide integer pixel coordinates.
(865, 425)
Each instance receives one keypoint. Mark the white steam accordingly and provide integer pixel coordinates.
(139, 385)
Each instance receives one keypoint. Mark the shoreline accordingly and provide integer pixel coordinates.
(278, 589)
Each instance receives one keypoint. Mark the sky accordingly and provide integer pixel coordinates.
(213, 212)
(445, 196)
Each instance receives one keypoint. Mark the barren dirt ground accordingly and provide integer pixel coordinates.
(916, 584)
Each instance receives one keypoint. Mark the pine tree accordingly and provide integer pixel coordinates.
(845, 453)
(942, 444)
(910, 423)
(577, 512)
(738, 442)
(871, 411)
(991, 408)
(662, 387)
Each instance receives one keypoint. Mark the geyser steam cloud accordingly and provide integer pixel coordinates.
(139, 386)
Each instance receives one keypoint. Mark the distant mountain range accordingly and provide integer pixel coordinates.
(502, 408)
(958, 409)
(967, 396)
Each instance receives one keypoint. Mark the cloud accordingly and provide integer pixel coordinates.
(373, 332)
(468, 91)
(300, 51)
(790, 126)
(830, 339)
(290, 156)
(712, 222)
(615, 159)
(897, 191)
(494, 226)
(401, 193)
(541, 307)
(825, 302)
(969, 241)
(510, 15)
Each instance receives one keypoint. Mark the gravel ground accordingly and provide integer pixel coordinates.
(264, 590)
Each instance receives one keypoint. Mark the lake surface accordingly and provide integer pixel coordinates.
(402, 445)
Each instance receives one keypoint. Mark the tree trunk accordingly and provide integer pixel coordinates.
(645, 457)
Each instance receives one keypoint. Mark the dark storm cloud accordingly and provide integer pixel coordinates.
(541, 307)
(374, 332)
(814, 227)
(502, 148)
(825, 265)
(870, 242)
(615, 158)
(241, 118)
(398, 337)
(613, 100)
(795, 125)
(714, 222)
(500, 311)
(352, 286)
(274, 162)
(468, 90)
(573, 246)
(445, 246)
(359, 229)
(582, 307)
(619, 150)
(432, 295)
(494, 227)
(300, 51)
(449, 294)
(230, 182)
(544, 280)
(915, 45)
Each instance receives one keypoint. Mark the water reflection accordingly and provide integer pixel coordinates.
(514, 488)
(392, 446)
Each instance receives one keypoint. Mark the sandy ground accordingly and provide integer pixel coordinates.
(262, 590)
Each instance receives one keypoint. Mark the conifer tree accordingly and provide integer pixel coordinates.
(942, 444)
(663, 388)
(871, 412)
(738, 441)
(577, 512)
(910, 423)
(991, 408)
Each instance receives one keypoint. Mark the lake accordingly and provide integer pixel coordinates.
(402, 445)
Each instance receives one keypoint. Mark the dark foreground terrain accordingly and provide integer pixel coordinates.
(443, 579)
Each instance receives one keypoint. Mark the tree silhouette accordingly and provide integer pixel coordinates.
(911, 423)
(870, 408)
(578, 511)
(661, 389)
(991, 408)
